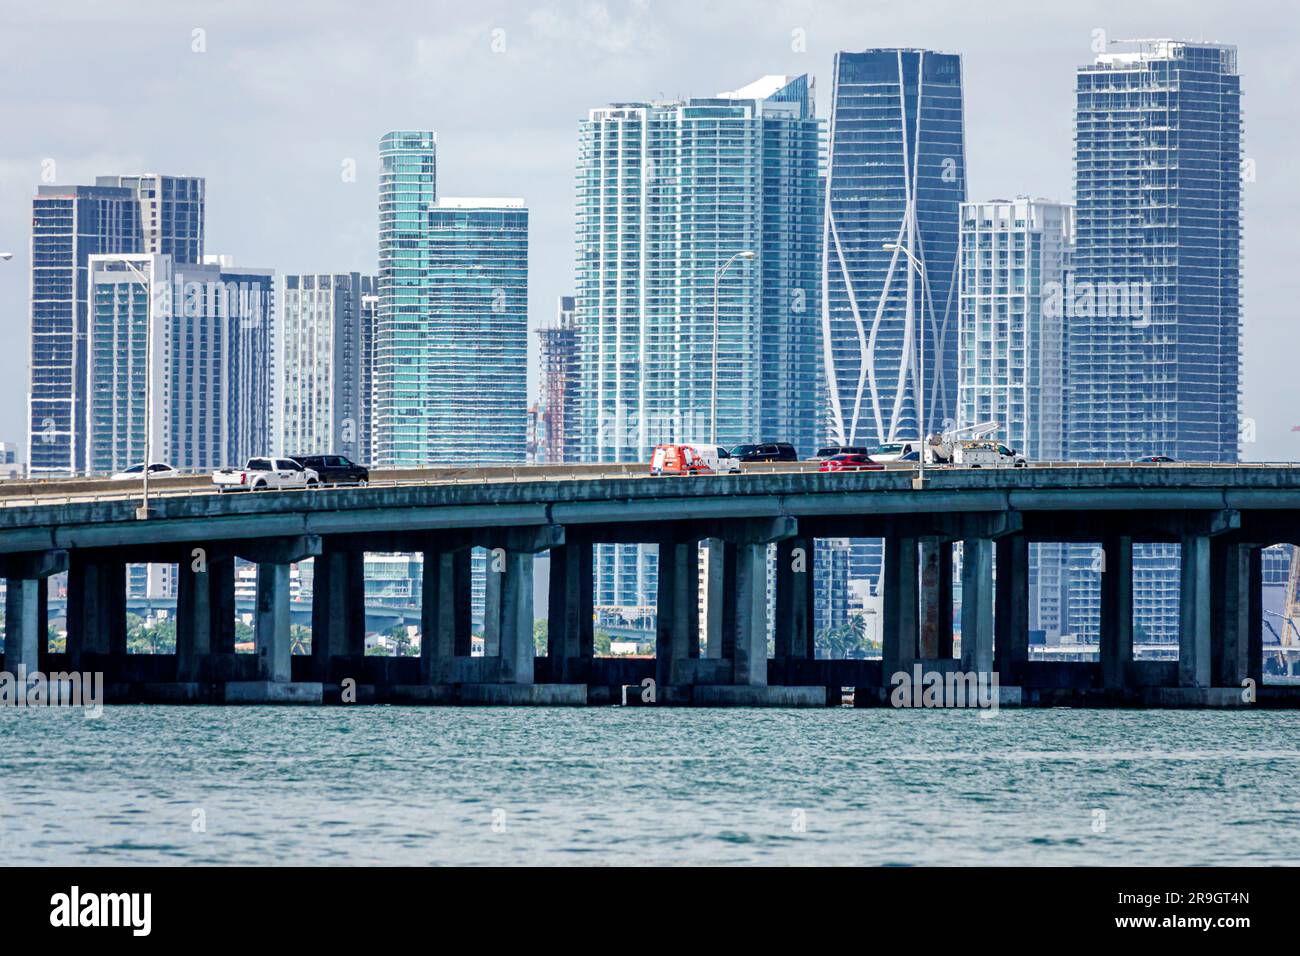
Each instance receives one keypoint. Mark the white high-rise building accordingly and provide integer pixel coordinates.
(322, 343)
(1014, 257)
(208, 358)
(1010, 366)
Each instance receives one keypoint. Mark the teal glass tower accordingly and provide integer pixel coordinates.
(407, 189)
(668, 193)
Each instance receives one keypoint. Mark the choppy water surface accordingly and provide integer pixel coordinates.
(144, 785)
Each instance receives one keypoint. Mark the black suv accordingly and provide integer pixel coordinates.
(768, 451)
(335, 469)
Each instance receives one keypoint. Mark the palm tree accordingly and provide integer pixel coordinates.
(299, 639)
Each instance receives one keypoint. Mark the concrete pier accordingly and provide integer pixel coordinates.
(570, 630)
(936, 599)
(1116, 626)
(977, 605)
(899, 633)
(1011, 618)
(25, 615)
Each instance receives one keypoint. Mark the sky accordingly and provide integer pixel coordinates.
(280, 106)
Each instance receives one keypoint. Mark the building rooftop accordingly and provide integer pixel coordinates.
(1149, 50)
(478, 202)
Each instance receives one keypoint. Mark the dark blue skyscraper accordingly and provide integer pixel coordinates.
(1153, 312)
(896, 176)
(143, 213)
(1154, 318)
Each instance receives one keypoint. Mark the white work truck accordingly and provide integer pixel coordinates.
(972, 448)
(264, 474)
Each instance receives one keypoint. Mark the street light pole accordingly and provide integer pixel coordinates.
(918, 483)
(713, 377)
(143, 511)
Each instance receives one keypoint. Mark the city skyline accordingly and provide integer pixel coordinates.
(1036, 177)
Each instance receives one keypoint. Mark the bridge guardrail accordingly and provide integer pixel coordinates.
(89, 490)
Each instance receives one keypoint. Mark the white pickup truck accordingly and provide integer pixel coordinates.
(262, 474)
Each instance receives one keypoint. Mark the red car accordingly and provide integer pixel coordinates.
(851, 463)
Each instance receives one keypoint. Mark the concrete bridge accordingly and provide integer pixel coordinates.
(1221, 517)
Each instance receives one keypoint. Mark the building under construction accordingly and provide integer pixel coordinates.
(559, 354)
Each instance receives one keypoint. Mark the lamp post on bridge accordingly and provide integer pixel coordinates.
(147, 282)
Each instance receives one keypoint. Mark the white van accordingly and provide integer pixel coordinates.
(693, 458)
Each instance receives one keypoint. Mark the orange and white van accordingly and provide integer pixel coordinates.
(692, 458)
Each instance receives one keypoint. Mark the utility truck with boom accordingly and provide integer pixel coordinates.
(972, 447)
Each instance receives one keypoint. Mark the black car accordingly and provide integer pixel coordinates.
(335, 469)
(767, 451)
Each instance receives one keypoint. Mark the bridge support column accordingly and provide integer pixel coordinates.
(1229, 610)
(1194, 612)
(338, 610)
(899, 636)
(1116, 625)
(493, 579)
(221, 603)
(719, 609)
(271, 623)
(1011, 620)
(193, 620)
(977, 605)
(271, 627)
(26, 629)
(795, 586)
(677, 628)
(751, 615)
(515, 623)
(1255, 618)
(22, 623)
(96, 609)
(445, 625)
(570, 632)
(936, 599)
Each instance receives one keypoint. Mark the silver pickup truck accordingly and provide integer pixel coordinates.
(264, 474)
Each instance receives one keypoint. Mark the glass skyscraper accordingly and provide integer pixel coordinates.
(1155, 322)
(896, 175)
(667, 193)
(407, 189)
(451, 359)
(145, 213)
(1154, 313)
(171, 212)
(69, 224)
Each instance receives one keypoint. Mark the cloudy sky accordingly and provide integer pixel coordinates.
(272, 102)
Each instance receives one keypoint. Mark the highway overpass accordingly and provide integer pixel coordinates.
(1220, 515)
